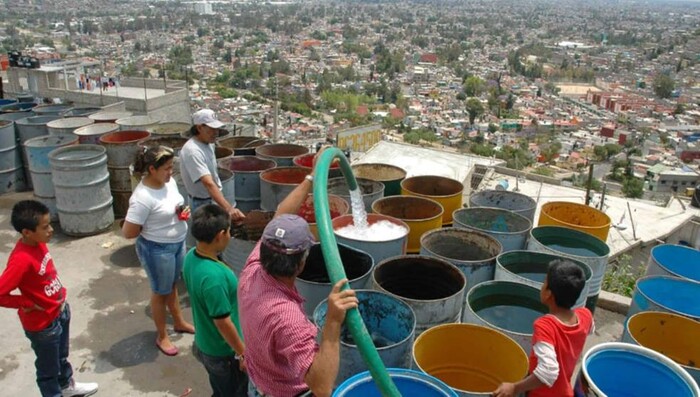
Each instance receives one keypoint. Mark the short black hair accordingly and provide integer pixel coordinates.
(193, 130)
(566, 281)
(278, 263)
(208, 220)
(26, 214)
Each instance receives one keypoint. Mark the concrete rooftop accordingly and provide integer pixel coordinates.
(125, 92)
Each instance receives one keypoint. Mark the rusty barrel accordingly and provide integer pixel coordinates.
(277, 183)
(242, 145)
(336, 205)
(390, 175)
(307, 161)
(575, 216)
(282, 153)
(370, 190)
(246, 174)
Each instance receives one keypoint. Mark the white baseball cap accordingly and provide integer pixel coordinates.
(206, 116)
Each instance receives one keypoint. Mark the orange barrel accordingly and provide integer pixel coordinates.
(446, 191)
(473, 360)
(419, 213)
(390, 175)
(575, 216)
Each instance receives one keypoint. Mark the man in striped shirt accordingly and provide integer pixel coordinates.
(282, 354)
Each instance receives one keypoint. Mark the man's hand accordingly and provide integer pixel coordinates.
(32, 309)
(339, 302)
(236, 215)
(505, 390)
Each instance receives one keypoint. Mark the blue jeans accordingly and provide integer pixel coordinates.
(197, 202)
(53, 371)
(225, 376)
(162, 262)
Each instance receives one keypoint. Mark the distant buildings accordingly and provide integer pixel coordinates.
(203, 8)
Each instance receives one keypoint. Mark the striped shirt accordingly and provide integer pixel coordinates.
(280, 340)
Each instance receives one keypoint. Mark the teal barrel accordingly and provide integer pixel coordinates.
(530, 268)
(505, 306)
(621, 369)
(390, 322)
(379, 247)
(674, 260)
(246, 174)
(314, 284)
(408, 383)
(509, 228)
(666, 294)
(512, 201)
(474, 253)
(574, 244)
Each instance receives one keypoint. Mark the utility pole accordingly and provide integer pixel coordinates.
(590, 182)
(274, 121)
(602, 198)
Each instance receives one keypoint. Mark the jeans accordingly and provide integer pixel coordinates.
(163, 263)
(225, 376)
(254, 392)
(197, 202)
(51, 345)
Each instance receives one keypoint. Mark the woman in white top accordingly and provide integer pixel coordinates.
(158, 218)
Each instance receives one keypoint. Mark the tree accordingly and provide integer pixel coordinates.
(600, 152)
(493, 128)
(633, 187)
(475, 108)
(663, 85)
(679, 109)
(474, 86)
(611, 150)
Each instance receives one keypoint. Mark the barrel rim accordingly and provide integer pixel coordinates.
(226, 163)
(81, 131)
(538, 253)
(107, 115)
(527, 198)
(125, 121)
(443, 196)
(579, 235)
(452, 267)
(272, 145)
(490, 260)
(34, 142)
(397, 373)
(341, 180)
(104, 139)
(664, 266)
(639, 351)
(388, 218)
(371, 267)
(410, 335)
(672, 279)
(493, 209)
(391, 166)
(99, 150)
(581, 207)
(26, 121)
(55, 125)
(394, 198)
(280, 169)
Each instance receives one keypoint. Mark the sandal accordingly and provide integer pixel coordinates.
(173, 351)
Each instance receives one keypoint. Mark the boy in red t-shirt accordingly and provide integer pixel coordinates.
(558, 337)
(41, 303)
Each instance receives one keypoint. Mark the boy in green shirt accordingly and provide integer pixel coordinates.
(218, 342)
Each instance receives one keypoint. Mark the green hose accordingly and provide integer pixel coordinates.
(334, 265)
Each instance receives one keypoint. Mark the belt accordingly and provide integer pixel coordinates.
(201, 199)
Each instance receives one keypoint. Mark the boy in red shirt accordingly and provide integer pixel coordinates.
(558, 337)
(41, 303)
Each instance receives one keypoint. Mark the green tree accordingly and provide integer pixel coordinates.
(475, 108)
(633, 187)
(411, 137)
(663, 85)
(612, 149)
(482, 150)
(600, 152)
(493, 128)
(474, 86)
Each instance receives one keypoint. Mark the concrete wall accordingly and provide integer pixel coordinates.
(526, 175)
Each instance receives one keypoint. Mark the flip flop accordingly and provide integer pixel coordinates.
(173, 351)
(183, 331)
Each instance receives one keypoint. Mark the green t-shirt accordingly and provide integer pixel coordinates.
(213, 294)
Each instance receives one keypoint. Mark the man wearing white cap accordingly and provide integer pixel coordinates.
(198, 164)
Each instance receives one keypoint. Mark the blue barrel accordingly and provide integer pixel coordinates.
(511, 229)
(621, 369)
(17, 107)
(409, 383)
(390, 322)
(674, 260)
(666, 294)
(4, 102)
(314, 284)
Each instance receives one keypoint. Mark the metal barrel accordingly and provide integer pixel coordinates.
(307, 161)
(222, 153)
(68, 125)
(390, 175)
(82, 111)
(674, 260)
(473, 253)
(121, 150)
(509, 228)
(282, 153)
(408, 382)
(37, 151)
(90, 134)
(419, 213)
(666, 294)
(390, 322)
(81, 182)
(622, 369)
(174, 142)
(137, 123)
(434, 288)
(169, 129)
(509, 307)
(530, 268)
(473, 360)
(239, 248)
(371, 190)
(516, 202)
(446, 191)
(7, 101)
(242, 145)
(51, 110)
(12, 177)
(574, 244)
(109, 117)
(336, 205)
(25, 98)
(672, 335)
(575, 216)
(314, 284)
(228, 185)
(277, 183)
(16, 116)
(246, 174)
(17, 107)
(28, 128)
(379, 248)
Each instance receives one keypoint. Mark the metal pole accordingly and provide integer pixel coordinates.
(634, 231)
(590, 182)
(602, 198)
(274, 125)
(145, 92)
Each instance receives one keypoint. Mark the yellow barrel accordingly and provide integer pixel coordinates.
(446, 191)
(575, 216)
(337, 207)
(471, 359)
(419, 213)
